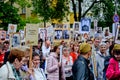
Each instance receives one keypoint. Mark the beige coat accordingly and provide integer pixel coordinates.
(53, 69)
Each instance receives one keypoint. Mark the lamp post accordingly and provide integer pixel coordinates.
(115, 6)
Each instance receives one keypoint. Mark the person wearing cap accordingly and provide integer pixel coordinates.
(80, 67)
(100, 58)
(113, 70)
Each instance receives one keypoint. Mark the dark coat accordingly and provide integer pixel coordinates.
(81, 70)
(6, 56)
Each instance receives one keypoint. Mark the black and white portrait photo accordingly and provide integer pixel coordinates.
(42, 34)
(21, 34)
(76, 26)
(58, 34)
(12, 28)
(66, 34)
(15, 40)
(99, 29)
(85, 25)
(106, 31)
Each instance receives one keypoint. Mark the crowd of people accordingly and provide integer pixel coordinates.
(93, 59)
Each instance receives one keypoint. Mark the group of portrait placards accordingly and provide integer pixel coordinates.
(58, 32)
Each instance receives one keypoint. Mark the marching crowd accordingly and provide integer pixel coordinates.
(93, 59)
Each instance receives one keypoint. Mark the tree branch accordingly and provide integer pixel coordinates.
(90, 7)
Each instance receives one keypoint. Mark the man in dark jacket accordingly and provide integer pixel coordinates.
(80, 68)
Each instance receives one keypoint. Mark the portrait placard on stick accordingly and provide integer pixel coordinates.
(66, 34)
(42, 34)
(31, 34)
(12, 28)
(15, 40)
(76, 26)
(106, 31)
(58, 34)
(85, 25)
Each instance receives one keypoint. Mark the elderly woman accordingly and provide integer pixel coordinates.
(10, 70)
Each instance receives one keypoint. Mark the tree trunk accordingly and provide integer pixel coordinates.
(80, 9)
(74, 10)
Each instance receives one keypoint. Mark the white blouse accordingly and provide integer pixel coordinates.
(39, 74)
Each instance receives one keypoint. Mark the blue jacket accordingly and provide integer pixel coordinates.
(81, 70)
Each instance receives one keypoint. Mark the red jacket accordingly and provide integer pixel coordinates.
(74, 56)
(1, 59)
(113, 71)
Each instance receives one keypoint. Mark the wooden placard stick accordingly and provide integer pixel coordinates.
(30, 60)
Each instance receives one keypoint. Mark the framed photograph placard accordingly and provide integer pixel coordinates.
(117, 37)
(12, 28)
(31, 38)
(99, 29)
(58, 34)
(15, 40)
(66, 34)
(106, 31)
(22, 36)
(42, 34)
(85, 25)
(76, 26)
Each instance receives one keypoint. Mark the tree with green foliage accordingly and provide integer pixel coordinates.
(51, 9)
(8, 14)
(21, 3)
(104, 12)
